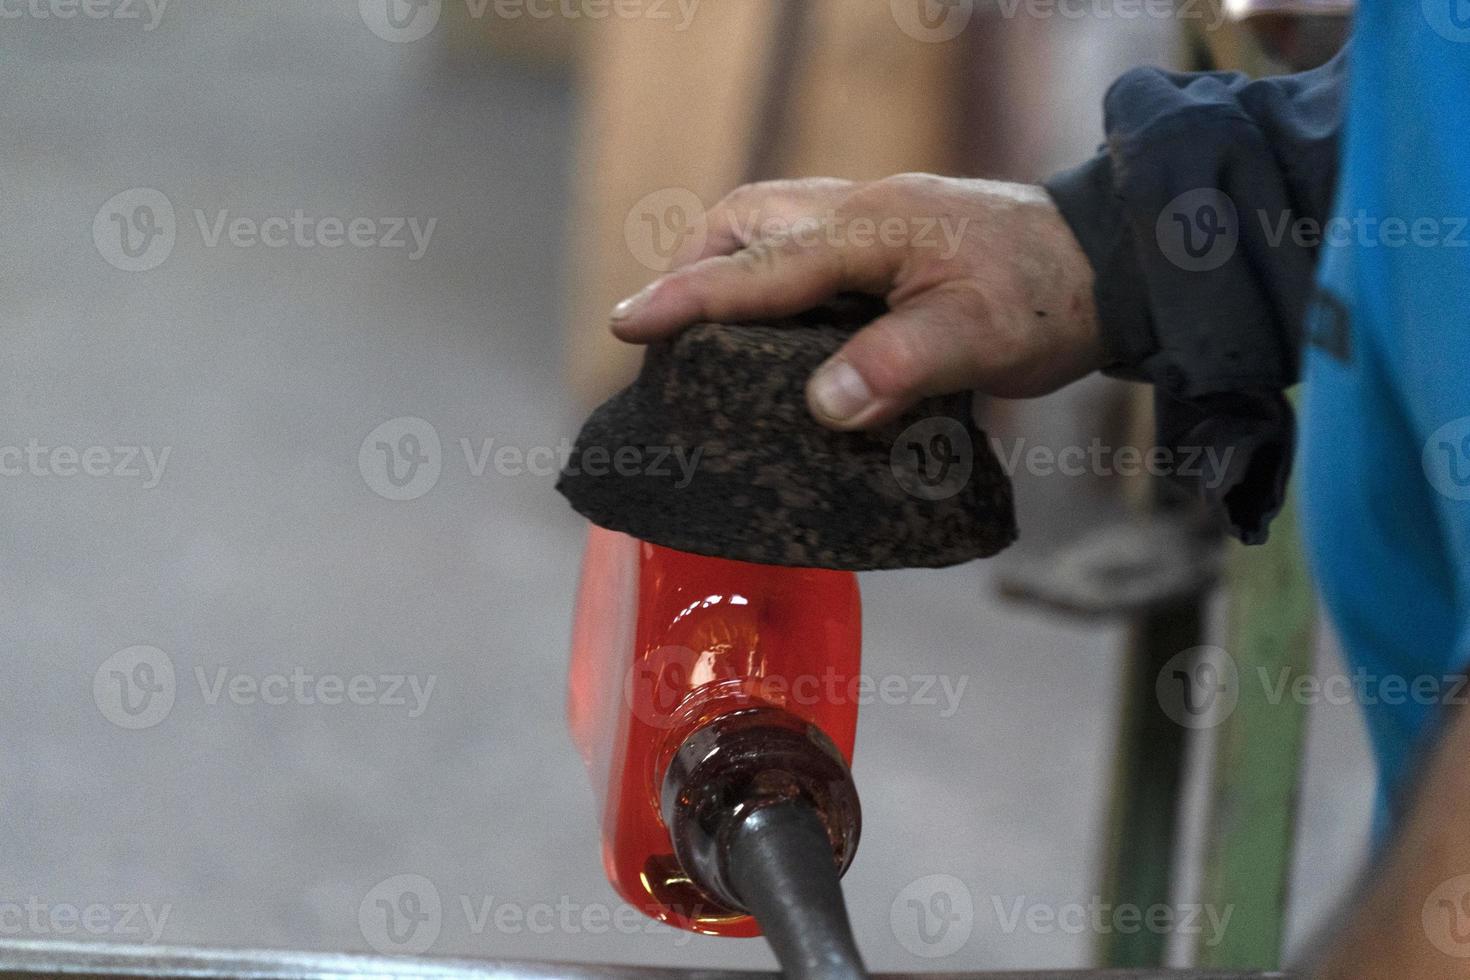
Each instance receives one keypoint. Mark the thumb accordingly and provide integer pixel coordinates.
(925, 348)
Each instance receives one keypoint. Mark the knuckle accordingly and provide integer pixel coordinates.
(803, 241)
(866, 199)
(698, 288)
(893, 358)
(904, 194)
(808, 193)
(758, 257)
(742, 196)
(768, 195)
(915, 184)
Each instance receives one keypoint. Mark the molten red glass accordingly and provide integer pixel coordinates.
(666, 642)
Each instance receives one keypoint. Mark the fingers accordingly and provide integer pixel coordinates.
(758, 230)
(924, 348)
(770, 278)
(764, 210)
(987, 287)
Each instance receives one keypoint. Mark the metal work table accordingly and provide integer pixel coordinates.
(30, 959)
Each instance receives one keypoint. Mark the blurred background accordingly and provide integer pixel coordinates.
(245, 242)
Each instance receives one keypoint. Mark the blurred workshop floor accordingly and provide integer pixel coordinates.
(260, 547)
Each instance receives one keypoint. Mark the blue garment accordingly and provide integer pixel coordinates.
(1219, 339)
(1370, 154)
(1385, 442)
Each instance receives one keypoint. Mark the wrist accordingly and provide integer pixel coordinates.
(1045, 293)
(1064, 281)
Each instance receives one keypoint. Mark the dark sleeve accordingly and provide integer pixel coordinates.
(1201, 287)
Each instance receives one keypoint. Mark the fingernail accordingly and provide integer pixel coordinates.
(839, 392)
(633, 303)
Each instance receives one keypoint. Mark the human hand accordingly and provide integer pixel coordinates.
(986, 286)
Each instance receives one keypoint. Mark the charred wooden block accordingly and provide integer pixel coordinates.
(712, 450)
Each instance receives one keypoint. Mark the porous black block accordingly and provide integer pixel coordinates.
(720, 456)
